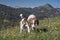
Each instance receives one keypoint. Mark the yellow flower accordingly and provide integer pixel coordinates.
(56, 28)
(48, 26)
(40, 31)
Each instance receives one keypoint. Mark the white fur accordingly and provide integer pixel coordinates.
(21, 15)
(27, 27)
(31, 16)
(22, 25)
(33, 25)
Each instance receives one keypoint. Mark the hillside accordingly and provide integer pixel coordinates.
(46, 10)
(10, 15)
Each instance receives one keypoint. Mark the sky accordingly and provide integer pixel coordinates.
(30, 3)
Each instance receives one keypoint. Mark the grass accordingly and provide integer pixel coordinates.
(52, 24)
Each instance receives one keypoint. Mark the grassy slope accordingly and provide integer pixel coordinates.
(52, 24)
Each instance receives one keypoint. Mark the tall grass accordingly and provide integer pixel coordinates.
(52, 24)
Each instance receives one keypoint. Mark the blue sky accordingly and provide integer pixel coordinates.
(30, 3)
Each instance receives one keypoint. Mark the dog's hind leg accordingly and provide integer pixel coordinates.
(27, 27)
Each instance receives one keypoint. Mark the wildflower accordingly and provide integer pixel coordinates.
(48, 26)
(56, 28)
(40, 31)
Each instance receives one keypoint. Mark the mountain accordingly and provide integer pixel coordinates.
(10, 13)
(7, 12)
(47, 6)
(46, 10)
(58, 9)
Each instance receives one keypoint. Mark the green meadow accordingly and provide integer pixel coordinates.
(52, 24)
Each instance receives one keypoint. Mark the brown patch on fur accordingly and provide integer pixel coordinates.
(31, 20)
(23, 22)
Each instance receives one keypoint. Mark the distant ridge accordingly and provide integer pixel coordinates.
(10, 13)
